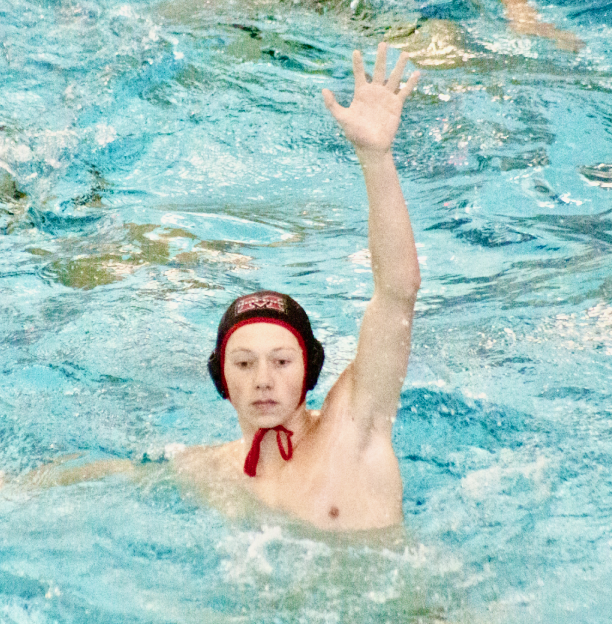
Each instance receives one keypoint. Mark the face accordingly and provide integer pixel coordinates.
(264, 372)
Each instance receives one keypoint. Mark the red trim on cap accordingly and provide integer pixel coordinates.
(272, 321)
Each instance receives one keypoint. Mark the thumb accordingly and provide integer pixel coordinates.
(332, 106)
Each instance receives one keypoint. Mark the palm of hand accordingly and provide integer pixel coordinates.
(373, 117)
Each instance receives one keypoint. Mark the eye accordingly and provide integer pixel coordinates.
(243, 364)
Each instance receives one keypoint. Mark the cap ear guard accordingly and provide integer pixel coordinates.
(214, 368)
(316, 357)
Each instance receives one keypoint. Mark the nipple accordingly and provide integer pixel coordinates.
(334, 512)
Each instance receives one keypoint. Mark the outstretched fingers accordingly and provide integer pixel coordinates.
(408, 88)
(380, 68)
(358, 69)
(395, 78)
(332, 105)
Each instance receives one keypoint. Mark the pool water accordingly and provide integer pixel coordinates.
(156, 161)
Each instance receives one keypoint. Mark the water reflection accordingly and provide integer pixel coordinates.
(13, 203)
(81, 263)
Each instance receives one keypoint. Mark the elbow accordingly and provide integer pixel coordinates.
(413, 286)
(404, 292)
(411, 291)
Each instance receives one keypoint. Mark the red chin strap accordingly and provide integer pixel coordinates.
(252, 459)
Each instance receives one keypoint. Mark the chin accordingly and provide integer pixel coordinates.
(270, 417)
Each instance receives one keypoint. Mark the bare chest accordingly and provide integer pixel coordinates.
(334, 486)
(329, 482)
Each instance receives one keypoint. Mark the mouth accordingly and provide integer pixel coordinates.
(264, 403)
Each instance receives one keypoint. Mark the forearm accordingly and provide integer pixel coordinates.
(395, 265)
(56, 474)
(370, 124)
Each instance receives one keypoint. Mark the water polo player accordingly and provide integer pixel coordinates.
(334, 467)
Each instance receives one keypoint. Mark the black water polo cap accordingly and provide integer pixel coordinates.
(268, 306)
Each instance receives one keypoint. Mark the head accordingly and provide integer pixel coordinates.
(262, 309)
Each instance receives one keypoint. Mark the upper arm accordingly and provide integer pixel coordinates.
(380, 365)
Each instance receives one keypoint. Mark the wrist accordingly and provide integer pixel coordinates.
(371, 157)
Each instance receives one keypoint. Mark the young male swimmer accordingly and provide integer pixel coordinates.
(334, 468)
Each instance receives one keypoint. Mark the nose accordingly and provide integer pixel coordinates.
(263, 375)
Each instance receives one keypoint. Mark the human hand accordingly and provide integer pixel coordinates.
(371, 121)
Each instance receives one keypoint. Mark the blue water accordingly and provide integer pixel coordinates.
(158, 160)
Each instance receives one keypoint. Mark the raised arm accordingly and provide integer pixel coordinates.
(370, 124)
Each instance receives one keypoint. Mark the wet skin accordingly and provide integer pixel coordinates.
(329, 482)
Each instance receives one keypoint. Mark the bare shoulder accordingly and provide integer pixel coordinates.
(342, 409)
(369, 446)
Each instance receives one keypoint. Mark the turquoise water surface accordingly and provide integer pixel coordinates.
(156, 161)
